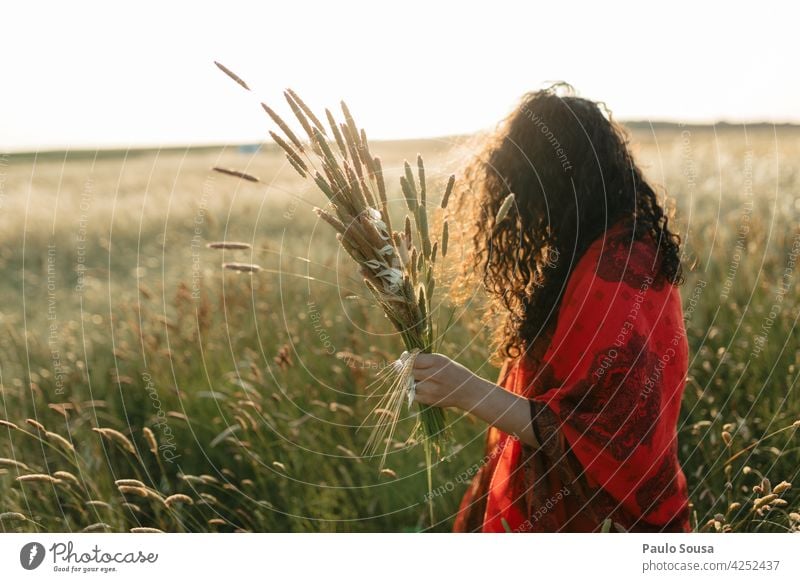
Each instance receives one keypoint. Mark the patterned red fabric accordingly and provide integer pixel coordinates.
(605, 397)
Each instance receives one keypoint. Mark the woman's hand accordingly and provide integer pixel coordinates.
(443, 382)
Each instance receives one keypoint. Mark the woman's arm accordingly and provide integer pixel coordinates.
(443, 382)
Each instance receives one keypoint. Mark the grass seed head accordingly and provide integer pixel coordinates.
(300, 115)
(337, 135)
(133, 490)
(129, 483)
(422, 185)
(287, 131)
(38, 478)
(232, 246)
(306, 109)
(67, 476)
(117, 437)
(150, 437)
(235, 174)
(64, 443)
(232, 75)
(448, 190)
(97, 527)
(241, 267)
(178, 498)
(781, 487)
(36, 424)
(505, 208)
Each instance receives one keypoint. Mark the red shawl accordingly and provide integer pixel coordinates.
(605, 397)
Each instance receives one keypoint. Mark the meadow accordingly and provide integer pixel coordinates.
(145, 388)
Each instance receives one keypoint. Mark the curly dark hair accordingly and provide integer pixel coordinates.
(573, 176)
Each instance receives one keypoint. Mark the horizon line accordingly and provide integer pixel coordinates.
(635, 124)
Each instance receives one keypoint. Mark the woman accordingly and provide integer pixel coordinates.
(584, 273)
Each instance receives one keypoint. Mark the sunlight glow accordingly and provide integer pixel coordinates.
(94, 74)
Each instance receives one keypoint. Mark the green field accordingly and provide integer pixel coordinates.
(115, 315)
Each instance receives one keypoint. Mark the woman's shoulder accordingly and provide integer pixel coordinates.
(621, 255)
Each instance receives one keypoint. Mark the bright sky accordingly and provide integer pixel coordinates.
(90, 74)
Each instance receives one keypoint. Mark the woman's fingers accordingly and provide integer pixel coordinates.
(425, 361)
(426, 393)
(425, 374)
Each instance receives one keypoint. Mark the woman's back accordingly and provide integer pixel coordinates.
(605, 395)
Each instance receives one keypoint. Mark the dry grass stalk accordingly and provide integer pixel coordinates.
(150, 437)
(53, 436)
(762, 501)
(38, 478)
(117, 437)
(145, 530)
(67, 476)
(94, 503)
(234, 246)
(193, 479)
(6, 462)
(178, 498)
(133, 490)
(781, 487)
(96, 527)
(236, 174)
(232, 75)
(448, 191)
(36, 424)
(294, 158)
(129, 483)
(283, 127)
(505, 208)
(241, 267)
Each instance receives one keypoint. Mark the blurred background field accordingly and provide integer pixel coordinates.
(234, 399)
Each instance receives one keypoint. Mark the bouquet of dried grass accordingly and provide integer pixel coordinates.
(397, 265)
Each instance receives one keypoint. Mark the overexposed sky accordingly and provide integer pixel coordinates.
(94, 74)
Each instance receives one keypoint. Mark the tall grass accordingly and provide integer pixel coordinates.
(154, 389)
